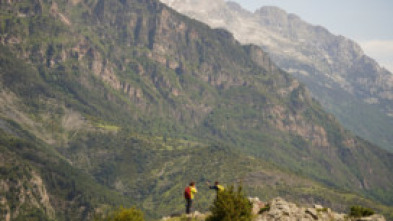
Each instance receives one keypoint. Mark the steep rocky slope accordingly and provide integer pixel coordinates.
(114, 102)
(347, 82)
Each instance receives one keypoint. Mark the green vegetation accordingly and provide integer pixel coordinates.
(26, 162)
(324, 209)
(231, 205)
(123, 214)
(185, 218)
(359, 211)
(264, 209)
(351, 113)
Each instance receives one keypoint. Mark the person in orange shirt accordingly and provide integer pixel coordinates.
(189, 195)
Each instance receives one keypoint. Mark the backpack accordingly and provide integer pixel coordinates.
(187, 193)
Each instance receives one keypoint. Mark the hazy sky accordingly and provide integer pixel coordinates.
(368, 22)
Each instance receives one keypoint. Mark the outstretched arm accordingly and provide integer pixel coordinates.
(213, 187)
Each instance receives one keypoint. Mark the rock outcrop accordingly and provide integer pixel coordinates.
(279, 209)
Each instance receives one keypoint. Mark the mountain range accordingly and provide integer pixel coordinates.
(108, 103)
(347, 82)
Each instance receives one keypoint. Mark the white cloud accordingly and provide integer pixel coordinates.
(381, 51)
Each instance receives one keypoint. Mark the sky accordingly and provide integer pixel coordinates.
(368, 22)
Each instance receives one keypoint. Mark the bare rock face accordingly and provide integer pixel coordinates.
(35, 197)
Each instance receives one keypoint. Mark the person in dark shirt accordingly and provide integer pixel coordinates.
(217, 187)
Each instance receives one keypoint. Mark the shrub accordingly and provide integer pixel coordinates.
(184, 218)
(359, 211)
(264, 209)
(324, 209)
(123, 214)
(231, 205)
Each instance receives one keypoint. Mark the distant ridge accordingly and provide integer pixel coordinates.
(347, 82)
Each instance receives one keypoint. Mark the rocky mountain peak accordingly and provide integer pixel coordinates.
(198, 6)
(234, 6)
(271, 11)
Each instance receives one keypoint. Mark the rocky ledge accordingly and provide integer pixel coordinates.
(280, 210)
(283, 210)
